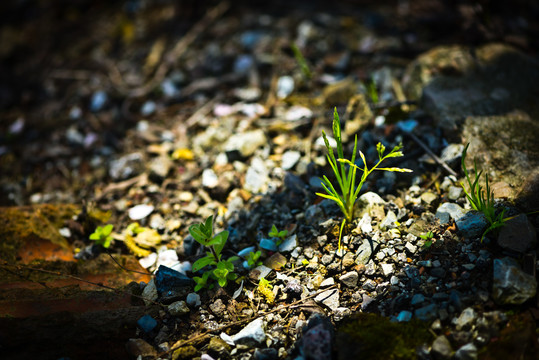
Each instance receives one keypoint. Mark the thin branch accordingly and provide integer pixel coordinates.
(432, 155)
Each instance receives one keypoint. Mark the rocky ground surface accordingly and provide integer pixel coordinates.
(163, 114)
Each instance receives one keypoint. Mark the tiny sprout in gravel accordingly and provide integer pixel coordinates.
(345, 172)
(479, 200)
(223, 269)
(102, 235)
(279, 235)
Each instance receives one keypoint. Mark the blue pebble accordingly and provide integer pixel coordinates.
(98, 101)
(168, 281)
(407, 125)
(404, 316)
(268, 244)
(417, 299)
(246, 251)
(427, 313)
(147, 323)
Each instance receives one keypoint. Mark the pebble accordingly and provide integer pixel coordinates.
(147, 323)
(290, 159)
(365, 250)
(296, 112)
(217, 307)
(285, 86)
(178, 308)
(209, 179)
(252, 334)
(289, 244)
(148, 261)
(193, 300)
(466, 352)
(126, 166)
(98, 101)
(404, 316)
(427, 313)
(350, 279)
(387, 269)
(466, 318)
(160, 167)
(257, 176)
(168, 281)
(329, 298)
(472, 224)
(246, 143)
(268, 244)
(428, 197)
(448, 211)
(316, 342)
(149, 294)
(441, 348)
(148, 108)
(259, 272)
(139, 348)
(389, 222)
(139, 212)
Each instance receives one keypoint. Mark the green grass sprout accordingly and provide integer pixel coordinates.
(481, 199)
(345, 172)
(301, 61)
(102, 235)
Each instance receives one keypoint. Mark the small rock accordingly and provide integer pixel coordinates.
(148, 261)
(448, 211)
(387, 269)
(149, 294)
(139, 212)
(268, 244)
(289, 244)
(169, 281)
(126, 166)
(466, 352)
(147, 323)
(472, 224)
(266, 354)
(365, 251)
(193, 300)
(178, 308)
(252, 334)
(417, 299)
(389, 222)
(217, 307)
(427, 313)
(98, 101)
(428, 197)
(209, 179)
(140, 348)
(257, 176)
(275, 261)
(218, 346)
(510, 284)
(441, 348)
(350, 279)
(148, 108)
(404, 316)
(327, 282)
(290, 159)
(285, 86)
(451, 154)
(329, 298)
(518, 234)
(246, 143)
(185, 353)
(259, 272)
(348, 260)
(466, 319)
(317, 339)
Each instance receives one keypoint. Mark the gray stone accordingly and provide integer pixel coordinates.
(441, 348)
(266, 354)
(448, 211)
(126, 166)
(350, 279)
(290, 159)
(217, 307)
(389, 222)
(178, 308)
(316, 342)
(518, 234)
(466, 352)
(465, 319)
(428, 197)
(510, 284)
(506, 147)
(454, 192)
(387, 269)
(193, 300)
(149, 294)
(472, 224)
(257, 176)
(140, 348)
(209, 178)
(246, 143)
(285, 86)
(288, 244)
(329, 298)
(327, 282)
(417, 299)
(160, 167)
(365, 251)
(451, 154)
(372, 204)
(251, 335)
(139, 212)
(427, 313)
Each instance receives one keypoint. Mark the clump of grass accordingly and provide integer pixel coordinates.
(481, 199)
(345, 172)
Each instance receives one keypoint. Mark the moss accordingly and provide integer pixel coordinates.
(370, 336)
(185, 352)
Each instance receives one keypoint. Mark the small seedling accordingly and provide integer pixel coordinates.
(345, 172)
(224, 269)
(102, 235)
(301, 61)
(253, 259)
(280, 235)
(264, 287)
(481, 200)
(428, 239)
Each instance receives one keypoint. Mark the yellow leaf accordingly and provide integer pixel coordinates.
(183, 154)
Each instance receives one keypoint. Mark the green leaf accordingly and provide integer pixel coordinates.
(208, 227)
(107, 229)
(203, 262)
(198, 234)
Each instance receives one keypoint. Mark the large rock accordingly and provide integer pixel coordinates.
(510, 284)
(507, 148)
(518, 234)
(454, 82)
